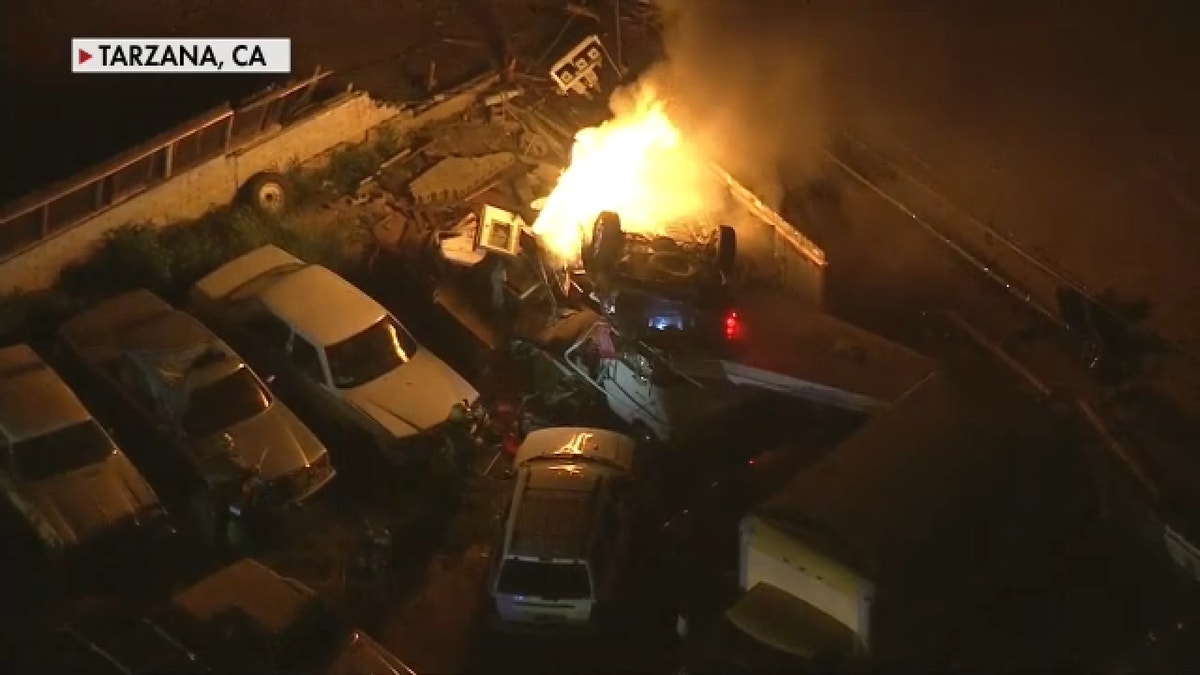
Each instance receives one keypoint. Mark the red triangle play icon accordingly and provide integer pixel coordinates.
(84, 57)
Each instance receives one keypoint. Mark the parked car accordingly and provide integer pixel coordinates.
(639, 385)
(243, 618)
(196, 402)
(335, 347)
(104, 636)
(62, 475)
(567, 530)
(250, 619)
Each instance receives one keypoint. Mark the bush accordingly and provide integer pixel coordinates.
(129, 256)
(387, 143)
(304, 187)
(170, 259)
(348, 167)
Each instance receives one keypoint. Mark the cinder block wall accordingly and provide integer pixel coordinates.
(194, 192)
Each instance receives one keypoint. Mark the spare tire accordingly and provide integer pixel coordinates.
(267, 192)
(608, 241)
(726, 249)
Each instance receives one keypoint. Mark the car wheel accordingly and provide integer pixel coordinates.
(267, 192)
(726, 249)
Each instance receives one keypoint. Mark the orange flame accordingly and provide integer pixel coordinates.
(638, 165)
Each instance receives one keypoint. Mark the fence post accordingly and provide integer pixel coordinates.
(98, 197)
(168, 159)
(228, 132)
(44, 219)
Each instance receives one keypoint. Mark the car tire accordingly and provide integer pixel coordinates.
(726, 249)
(267, 193)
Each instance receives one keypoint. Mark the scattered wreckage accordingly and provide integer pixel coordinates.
(675, 298)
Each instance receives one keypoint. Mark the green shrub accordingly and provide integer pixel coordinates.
(387, 143)
(304, 187)
(130, 256)
(349, 166)
(169, 260)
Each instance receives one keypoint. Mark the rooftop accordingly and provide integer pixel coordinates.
(929, 467)
(322, 306)
(33, 399)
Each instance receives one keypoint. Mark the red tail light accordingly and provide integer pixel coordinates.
(733, 326)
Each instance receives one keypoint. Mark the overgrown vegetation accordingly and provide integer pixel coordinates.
(349, 166)
(168, 260)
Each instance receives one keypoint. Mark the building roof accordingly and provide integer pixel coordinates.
(321, 306)
(919, 474)
(33, 399)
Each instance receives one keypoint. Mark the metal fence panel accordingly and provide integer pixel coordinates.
(72, 207)
(20, 232)
(186, 152)
(247, 123)
(136, 176)
(199, 147)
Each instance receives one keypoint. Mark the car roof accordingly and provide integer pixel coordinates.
(557, 508)
(247, 585)
(321, 306)
(611, 448)
(33, 398)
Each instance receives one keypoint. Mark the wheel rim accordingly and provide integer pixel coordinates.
(270, 197)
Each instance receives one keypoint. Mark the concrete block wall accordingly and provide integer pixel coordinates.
(192, 193)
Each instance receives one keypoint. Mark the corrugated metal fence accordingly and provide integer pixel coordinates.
(43, 214)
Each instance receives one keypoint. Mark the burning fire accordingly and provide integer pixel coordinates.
(637, 165)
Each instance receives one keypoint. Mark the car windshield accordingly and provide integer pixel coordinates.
(67, 449)
(223, 403)
(546, 580)
(370, 354)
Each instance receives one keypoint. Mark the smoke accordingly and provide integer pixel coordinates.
(742, 83)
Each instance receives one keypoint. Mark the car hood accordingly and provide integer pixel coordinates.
(275, 441)
(414, 397)
(364, 656)
(84, 504)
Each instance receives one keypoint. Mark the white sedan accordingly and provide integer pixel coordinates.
(339, 349)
